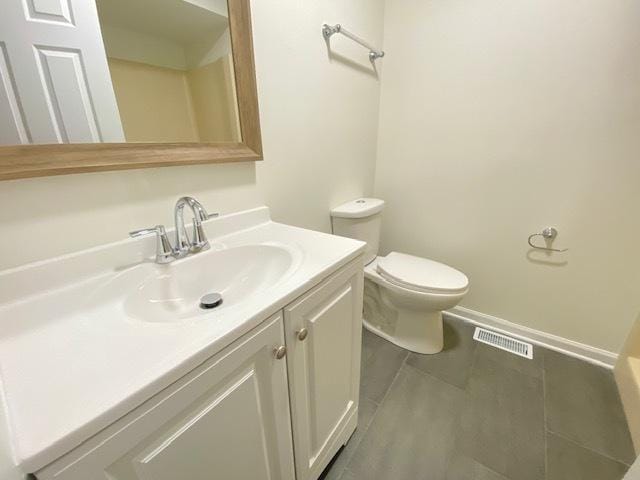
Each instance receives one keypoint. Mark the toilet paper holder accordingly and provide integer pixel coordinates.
(549, 233)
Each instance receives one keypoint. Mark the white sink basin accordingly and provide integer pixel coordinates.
(172, 293)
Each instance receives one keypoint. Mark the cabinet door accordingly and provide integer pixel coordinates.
(324, 367)
(230, 421)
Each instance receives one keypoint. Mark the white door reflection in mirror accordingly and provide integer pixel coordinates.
(54, 78)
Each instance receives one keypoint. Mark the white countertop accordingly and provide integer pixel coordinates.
(69, 368)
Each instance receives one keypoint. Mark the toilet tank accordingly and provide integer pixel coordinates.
(360, 219)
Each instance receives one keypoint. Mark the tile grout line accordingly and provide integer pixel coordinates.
(395, 377)
(471, 367)
(564, 437)
(574, 442)
(393, 380)
(345, 470)
(503, 475)
(464, 391)
(366, 429)
(430, 375)
(433, 377)
(508, 367)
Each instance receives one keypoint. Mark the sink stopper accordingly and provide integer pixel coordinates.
(210, 300)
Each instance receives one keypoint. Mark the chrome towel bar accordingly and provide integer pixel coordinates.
(328, 30)
(549, 233)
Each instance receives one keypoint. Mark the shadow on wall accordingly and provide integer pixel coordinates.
(535, 255)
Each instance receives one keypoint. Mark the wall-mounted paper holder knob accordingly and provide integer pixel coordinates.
(548, 233)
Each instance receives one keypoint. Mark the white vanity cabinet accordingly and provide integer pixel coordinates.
(323, 335)
(239, 415)
(228, 419)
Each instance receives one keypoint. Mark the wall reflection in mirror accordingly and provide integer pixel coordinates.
(171, 69)
(157, 71)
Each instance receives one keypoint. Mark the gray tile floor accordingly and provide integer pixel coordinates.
(474, 412)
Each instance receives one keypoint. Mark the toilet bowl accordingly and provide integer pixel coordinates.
(418, 297)
(416, 290)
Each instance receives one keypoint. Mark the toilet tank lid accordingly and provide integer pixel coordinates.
(360, 208)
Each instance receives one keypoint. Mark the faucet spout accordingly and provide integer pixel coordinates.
(199, 242)
(165, 252)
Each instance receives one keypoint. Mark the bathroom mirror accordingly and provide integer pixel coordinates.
(94, 85)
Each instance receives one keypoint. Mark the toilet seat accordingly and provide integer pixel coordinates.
(421, 274)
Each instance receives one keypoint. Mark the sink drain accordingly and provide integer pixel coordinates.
(210, 300)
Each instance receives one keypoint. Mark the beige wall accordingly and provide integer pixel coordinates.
(154, 102)
(499, 118)
(214, 101)
(159, 104)
(319, 121)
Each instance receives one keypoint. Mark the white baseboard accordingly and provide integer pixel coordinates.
(543, 339)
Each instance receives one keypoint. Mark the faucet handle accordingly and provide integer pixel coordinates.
(202, 215)
(164, 251)
(199, 240)
(147, 231)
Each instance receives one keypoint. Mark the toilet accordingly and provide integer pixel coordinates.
(415, 289)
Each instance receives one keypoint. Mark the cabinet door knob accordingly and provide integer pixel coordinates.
(302, 334)
(280, 352)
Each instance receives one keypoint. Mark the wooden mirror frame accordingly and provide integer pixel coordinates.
(25, 161)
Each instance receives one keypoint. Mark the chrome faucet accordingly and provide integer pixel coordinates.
(165, 253)
(199, 242)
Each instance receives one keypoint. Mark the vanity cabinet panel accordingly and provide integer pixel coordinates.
(323, 337)
(229, 419)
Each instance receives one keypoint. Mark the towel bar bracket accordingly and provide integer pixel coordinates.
(329, 30)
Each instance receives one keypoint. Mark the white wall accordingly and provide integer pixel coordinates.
(319, 113)
(319, 121)
(216, 6)
(203, 53)
(499, 118)
(126, 44)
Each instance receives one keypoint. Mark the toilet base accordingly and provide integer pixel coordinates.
(419, 332)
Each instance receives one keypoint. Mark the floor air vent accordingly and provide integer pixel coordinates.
(503, 342)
